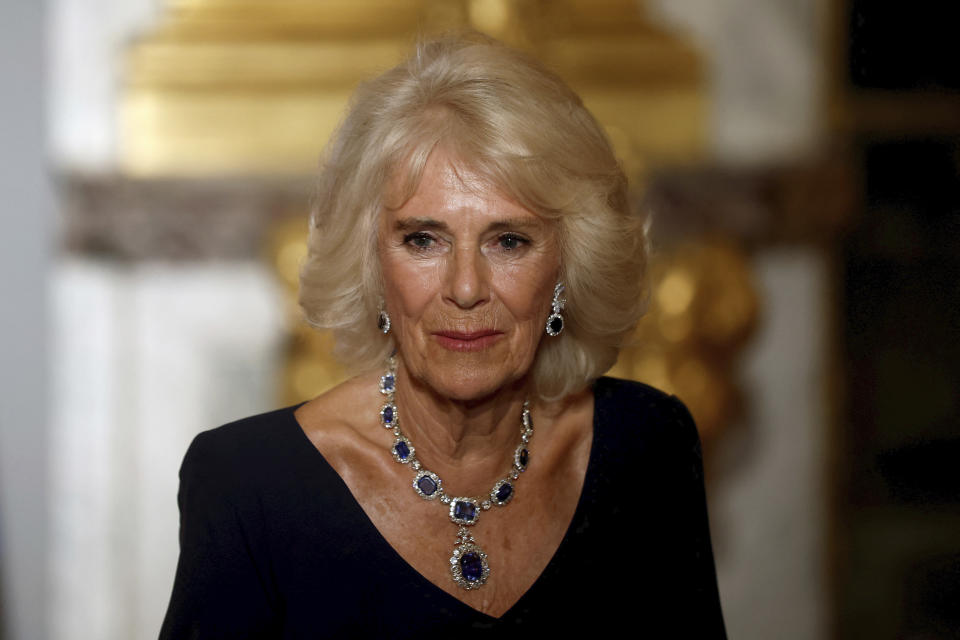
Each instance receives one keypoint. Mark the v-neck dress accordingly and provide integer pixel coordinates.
(273, 544)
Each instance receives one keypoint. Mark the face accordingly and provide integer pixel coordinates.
(469, 277)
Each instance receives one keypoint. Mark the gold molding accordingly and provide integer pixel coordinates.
(257, 86)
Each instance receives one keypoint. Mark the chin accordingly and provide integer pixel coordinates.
(467, 390)
(468, 376)
(466, 383)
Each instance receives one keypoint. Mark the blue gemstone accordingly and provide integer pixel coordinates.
(402, 449)
(427, 485)
(388, 383)
(471, 566)
(556, 324)
(465, 511)
(388, 414)
(504, 492)
(524, 458)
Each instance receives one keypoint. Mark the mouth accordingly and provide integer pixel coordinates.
(467, 341)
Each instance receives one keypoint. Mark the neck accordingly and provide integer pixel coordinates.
(470, 444)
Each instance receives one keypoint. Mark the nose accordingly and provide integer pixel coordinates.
(467, 276)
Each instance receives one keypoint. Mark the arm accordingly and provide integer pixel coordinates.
(222, 586)
(700, 570)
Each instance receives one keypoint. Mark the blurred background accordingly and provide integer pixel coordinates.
(800, 159)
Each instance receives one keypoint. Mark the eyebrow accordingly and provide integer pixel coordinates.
(406, 224)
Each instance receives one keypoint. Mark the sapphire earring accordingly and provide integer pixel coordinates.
(554, 325)
(383, 320)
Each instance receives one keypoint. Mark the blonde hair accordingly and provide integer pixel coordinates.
(510, 120)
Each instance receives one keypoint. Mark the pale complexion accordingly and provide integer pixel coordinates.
(469, 275)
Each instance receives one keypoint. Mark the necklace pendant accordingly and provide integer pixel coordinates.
(468, 562)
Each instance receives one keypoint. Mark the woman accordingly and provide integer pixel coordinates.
(473, 249)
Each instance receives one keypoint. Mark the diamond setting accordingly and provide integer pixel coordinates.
(469, 566)
(383, 321)
(388, 384)
(403, 450)
(389, 416)
(427, 485)
(554, 325)
(521, 458)
(464, 511)
(502, 492)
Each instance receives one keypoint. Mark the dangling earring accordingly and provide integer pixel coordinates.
(383, 319)
(555, 321)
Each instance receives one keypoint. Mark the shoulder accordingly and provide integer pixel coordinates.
(630, 401)
(647, 436)
(627, 412)
(245, 436)
(241, 448)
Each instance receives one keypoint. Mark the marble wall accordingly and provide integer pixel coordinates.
(84, 71)
(26, 244)
(147, 356)
(766, 61)
(768, 498)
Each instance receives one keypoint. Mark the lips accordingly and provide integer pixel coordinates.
(467, 340)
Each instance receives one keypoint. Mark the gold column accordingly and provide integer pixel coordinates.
(257, 86)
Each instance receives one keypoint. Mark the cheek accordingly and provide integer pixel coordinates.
(526, 293)
(409, 287)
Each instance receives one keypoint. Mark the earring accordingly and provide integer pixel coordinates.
(555, 320)
(383, 319)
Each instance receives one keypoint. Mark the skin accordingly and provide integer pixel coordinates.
(469, 276)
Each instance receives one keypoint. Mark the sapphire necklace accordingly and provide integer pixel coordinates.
(468, 561)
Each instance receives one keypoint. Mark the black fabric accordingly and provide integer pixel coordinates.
(273, 545)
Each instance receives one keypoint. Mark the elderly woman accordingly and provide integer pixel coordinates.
(473, 249)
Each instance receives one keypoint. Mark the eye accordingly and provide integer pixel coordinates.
(511, 241)
(419, 240)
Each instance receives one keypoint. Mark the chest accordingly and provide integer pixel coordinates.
(519, 538)
(382, 562)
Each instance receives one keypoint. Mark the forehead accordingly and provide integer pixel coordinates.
(447, 186)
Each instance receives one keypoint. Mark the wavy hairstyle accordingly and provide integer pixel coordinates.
(504, 116)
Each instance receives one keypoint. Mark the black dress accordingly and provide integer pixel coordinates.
(273, 544)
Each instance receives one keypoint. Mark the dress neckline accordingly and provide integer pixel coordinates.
(575, 524)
